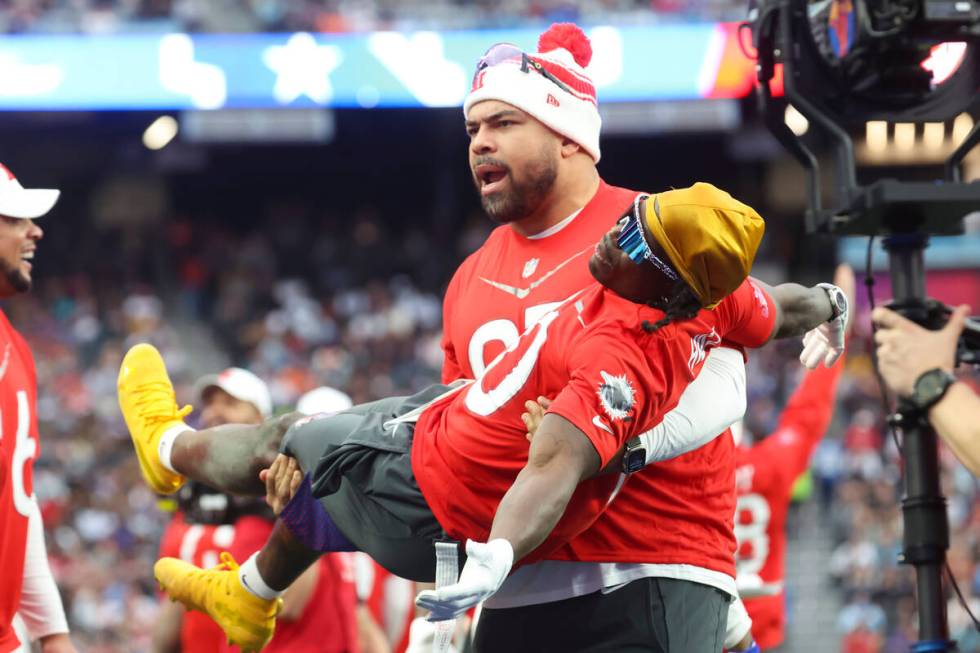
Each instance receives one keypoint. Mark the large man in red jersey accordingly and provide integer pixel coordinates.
(764, 475)
(534, 144)
(26, 584)
(319, 610)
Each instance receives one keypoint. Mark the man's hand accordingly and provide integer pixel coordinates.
(57, 643)
(535, 413)
(906, 350)
(826, 342)
(282, 480)
(487, 565)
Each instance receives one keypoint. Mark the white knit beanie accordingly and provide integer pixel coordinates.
(564, 51)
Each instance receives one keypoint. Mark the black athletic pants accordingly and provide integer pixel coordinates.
(655, 615)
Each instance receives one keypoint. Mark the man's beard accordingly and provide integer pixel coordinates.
(523, 197)
(19, 281)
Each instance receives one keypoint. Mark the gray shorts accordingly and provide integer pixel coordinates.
(647, 615)
(362, 475)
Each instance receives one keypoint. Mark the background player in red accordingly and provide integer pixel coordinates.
(764, 477)
(319, 609)
(26, 584)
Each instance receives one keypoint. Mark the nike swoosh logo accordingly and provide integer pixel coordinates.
(521, 293)
(602, 425)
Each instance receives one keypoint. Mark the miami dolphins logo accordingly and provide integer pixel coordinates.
(616, 395)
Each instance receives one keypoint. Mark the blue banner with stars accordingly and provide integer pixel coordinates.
(379, 69)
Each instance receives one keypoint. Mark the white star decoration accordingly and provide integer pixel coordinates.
(303, 68)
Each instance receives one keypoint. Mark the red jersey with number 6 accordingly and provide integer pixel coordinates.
(764, 478)
(19, 446)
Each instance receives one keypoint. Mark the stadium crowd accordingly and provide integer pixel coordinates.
(112, 16)
(369, 329)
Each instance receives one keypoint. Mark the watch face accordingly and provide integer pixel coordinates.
(930, 386)
(634, 460)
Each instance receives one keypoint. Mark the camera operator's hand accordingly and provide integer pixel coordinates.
(906, 350)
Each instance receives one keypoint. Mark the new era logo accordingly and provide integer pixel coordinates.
(553, 101)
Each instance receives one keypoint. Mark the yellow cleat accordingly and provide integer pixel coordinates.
(146, 398)
(248, 621)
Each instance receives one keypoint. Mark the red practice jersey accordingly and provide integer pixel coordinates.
(764, 479)
(610, 378)
(19, 446)
(327, 625)
(680, 511)
(511, 281)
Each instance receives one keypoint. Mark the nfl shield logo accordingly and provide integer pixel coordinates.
(530, 267)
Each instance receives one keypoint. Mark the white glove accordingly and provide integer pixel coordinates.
(826, 342)
(487, 565)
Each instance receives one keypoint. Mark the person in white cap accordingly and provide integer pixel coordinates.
(19, 208)
(234, 396)
(28, 586)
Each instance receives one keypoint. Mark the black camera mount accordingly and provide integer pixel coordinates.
(875, 74)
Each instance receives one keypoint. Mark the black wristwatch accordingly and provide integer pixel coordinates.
(930, 387)
(838, 300)
(634, 456)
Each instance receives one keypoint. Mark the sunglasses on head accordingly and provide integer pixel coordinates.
(634, 244)
(503, 52)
